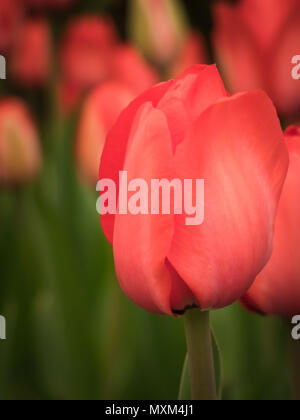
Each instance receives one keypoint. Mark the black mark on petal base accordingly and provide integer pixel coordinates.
(180, 312)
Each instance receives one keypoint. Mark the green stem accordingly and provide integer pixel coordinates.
(200, 355)
(294, 353)
(184, 382)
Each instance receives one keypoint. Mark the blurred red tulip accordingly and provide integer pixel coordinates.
(130, 68)
(255, 42)
(190, 129)
(56, 4)
(10, 19)
(100, 112)
(20, 154)
(86, 51)
(31, 57)
(93, 44)
(276, 290)
(69, 95)
(193, 52)
(158, 27)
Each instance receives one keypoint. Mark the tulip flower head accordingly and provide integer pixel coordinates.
(130, 68)
(31, 58)
(158, 28)
(10, 20)
(100, 112)
(20, 154)
(86, 50)
(188, 129)
(255, 42)
(192, 52)
(91, 54)
(276, 290)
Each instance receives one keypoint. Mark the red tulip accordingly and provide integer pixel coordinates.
(255, 42)
(92, 55)
(20, 155)
(190, 129)
(55, 4)
(100, 112)
(86, 51)
(276, 290)
(192, 52)
(86, 58)
(31, 58)
(10, 19)
(130, 68)
(69, 95)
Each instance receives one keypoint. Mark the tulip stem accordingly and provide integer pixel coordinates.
(200, 355)
(294, 351)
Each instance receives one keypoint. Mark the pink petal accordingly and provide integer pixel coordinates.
(237, 147)
(141, 242)
(276, 290)
(196, 89)
(116, 144)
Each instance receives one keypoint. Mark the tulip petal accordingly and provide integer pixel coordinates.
(241, 155)
(192, 52)
(116, 143)
(141, 242)
(196, 89)
(276, 291)
(130, 68)
(99, 113)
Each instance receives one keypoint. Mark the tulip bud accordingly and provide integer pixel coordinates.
(10, 19)
(20, 154)
(99, 113)
(31, 58)
(86, 50)
(254, 43)
(157, 27)
(276, 290)
(191, 129)
(130, 68)
(192, 52)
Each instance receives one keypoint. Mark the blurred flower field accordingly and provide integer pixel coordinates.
(71, 332)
